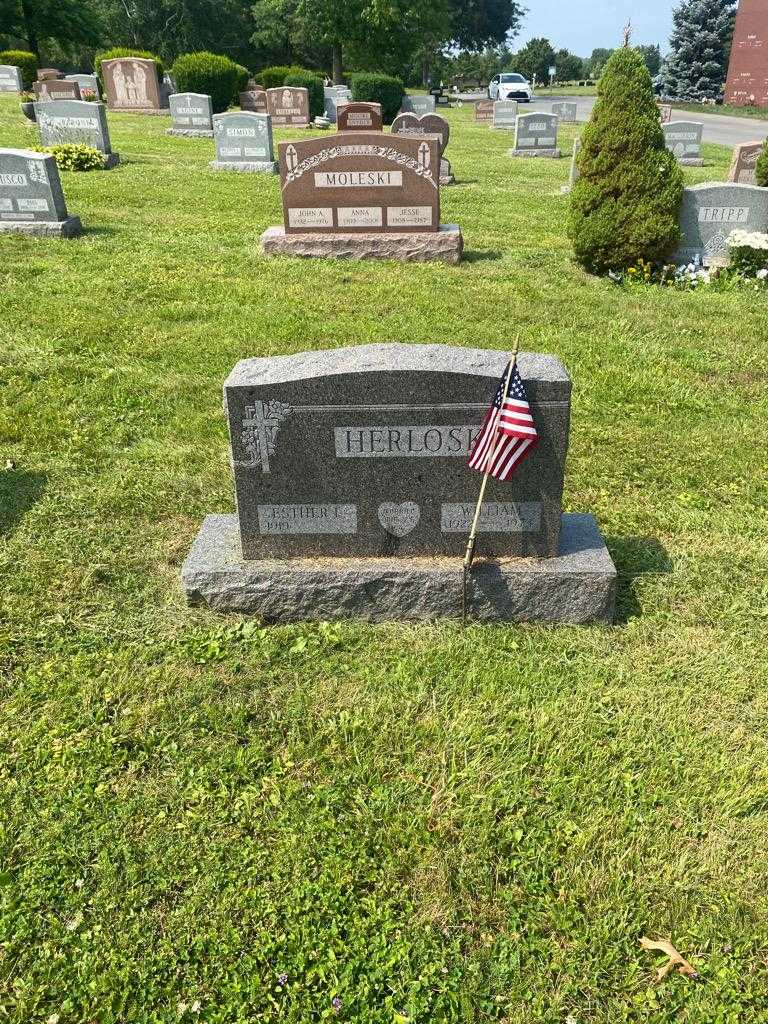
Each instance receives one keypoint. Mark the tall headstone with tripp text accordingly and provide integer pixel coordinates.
(710, 212)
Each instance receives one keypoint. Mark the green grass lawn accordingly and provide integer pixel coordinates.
(425, 824)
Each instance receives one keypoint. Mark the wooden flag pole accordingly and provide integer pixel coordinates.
(470, 552)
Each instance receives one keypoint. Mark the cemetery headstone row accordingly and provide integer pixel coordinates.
(536, 136)
(243, 142)
(354, 497)
(31, 198)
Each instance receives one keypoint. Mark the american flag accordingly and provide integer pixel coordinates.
(508, 433)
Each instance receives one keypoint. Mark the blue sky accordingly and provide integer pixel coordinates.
(582, 25)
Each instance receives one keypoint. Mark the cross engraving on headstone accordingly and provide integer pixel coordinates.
(260, 428)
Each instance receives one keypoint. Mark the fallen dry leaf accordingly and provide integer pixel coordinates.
(675, 962)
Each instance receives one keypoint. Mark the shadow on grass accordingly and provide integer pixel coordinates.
(19, 491)
(476, 255)
(96, 232)
(635, 557)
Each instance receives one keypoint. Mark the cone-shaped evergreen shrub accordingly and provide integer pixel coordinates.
(625, 203)
(761, 167)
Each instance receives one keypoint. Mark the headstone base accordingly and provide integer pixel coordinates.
(157, 111)
(445, 245)
(578, 586)
(446, 173)
(552, 154)
(69, 228)
(191, 133)
(691, 161)
(264, 167)
(112, 160)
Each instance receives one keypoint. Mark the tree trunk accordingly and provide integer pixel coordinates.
(29, 27)
(338, 65)
(425, 69)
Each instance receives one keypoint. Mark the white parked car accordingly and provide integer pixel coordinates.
(510, 86)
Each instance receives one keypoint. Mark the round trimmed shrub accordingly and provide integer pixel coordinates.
(24, 61)
(301, 79)
(73, 157)
(207, 73)
(625, 203)
(273, 77)
(124, 51)
(372, 87)
(761, 167)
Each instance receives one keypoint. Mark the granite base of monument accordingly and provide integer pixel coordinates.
(69, 228)
(191, 133)
(577, 586)
(552, 154)
(251, 167)
(690, 161)
(445, 245)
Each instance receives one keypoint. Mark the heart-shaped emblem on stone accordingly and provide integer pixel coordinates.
(429, 124)
(400, 519)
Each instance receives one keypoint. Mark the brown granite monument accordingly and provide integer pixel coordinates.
(368, 196)
(288, 106)
(132, 85)
(56, 89)
(744, 162)
(359, 117)
(484, 110)
(254, 100)
(747, 83)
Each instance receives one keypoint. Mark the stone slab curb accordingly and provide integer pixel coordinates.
(445, 245)
(552, 154)
(69, 228)
(692, 161)
(578, 586)
(245, 167)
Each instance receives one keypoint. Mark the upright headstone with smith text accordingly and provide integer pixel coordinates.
(31, 197)
(363, 195)
(351, 477)
(536, 135)
(75, 121)
(710, 212)
(243, 142)
(683, 138)
(191, 115)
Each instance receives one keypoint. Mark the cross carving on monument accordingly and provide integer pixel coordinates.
(260, 426)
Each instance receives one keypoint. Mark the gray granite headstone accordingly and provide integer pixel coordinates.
(683, 138)
(10, 78)
(417, 105)
(565, 111)
(87, 83)
(31, 197)
(744, 163)
(191, 114)
(336, 96)
(363, 451)
(505, 114)
(711, 211)
(73, 121)
(536, 135)
(243, 142)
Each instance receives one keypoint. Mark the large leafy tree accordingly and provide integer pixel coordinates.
(569, 66)
(535, 59)
(699, 48)
(36, 21)
(598, 60)
(652, 57)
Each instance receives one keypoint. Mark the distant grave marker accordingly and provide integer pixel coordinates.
(665, 112)
(191, 115)
(87, 83)
(683, 138)
(574, 173)
(254, 101)
(335, 96)
(56, 89)
(288, 106)
(359, 117)
(78, 122)
(505, 114)
(10, 79)
(31, 197)
(427, 124)
(484, 110)
(744, 163)
(417, 105)
(536, 136)
(132, 85)
(566, 111)
(243, 142)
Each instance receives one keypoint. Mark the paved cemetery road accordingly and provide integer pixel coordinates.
(719, 128)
